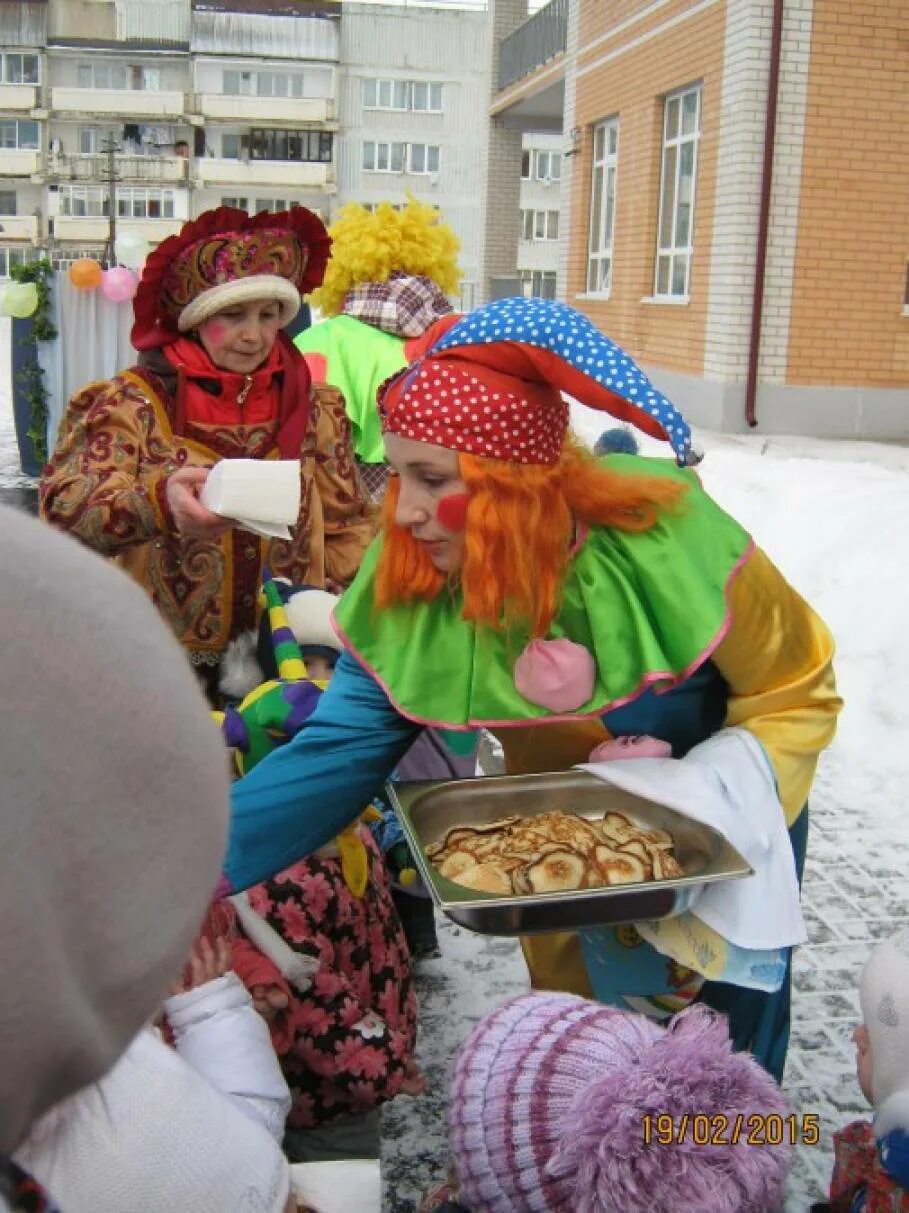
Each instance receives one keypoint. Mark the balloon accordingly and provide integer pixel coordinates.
(119, 284)
(131, 249)
(85, 274)
(20, 300)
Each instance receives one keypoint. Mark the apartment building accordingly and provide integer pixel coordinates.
(733, 202)
(414, 100)
(540, 201)
(160, 109)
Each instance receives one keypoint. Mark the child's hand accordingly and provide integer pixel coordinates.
(414, 1080)
(269, 1001)
(206, 962)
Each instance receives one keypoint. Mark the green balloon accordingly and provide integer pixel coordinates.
(20, 300)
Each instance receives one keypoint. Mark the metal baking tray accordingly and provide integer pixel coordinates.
(428, 810)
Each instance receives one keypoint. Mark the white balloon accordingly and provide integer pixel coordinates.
(131, 249)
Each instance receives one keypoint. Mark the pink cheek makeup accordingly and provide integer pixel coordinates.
(216, 332)
(452, 511)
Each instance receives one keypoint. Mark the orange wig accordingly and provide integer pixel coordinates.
(519, 532)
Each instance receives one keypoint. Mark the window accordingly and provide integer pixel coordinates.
(230, 147)
(525, 165)
(84, 201)
(423, 158)
(20, 133)
(538, 284)
(426, 97)
(384, 157)
(548, 166)
(7, 202)
(14, 255)
(422, 96)
(237, 84)
(681, 131)
(309, 146)
(138, 202)
(103, 75)
(539, 225)
(90, 138)
(272, 205)
(602, 206)
(242, 203)
(16, 68)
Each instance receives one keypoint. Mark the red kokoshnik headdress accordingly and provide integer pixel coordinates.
(227, 256)
(492, 385)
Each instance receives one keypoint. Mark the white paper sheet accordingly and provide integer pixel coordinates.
(261, 495)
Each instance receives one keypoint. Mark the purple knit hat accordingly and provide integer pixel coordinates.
(548, 1104)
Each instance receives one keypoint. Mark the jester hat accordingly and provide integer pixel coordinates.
(490, 383)
(223, 258)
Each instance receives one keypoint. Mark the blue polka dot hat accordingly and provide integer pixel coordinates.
(492, 383)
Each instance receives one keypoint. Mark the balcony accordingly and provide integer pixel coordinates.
(16, 162)
(269, 110)
(539, 39)
(122, 102)
(300, 174)
(94, 229)
(19, 227)
(18, 97)
(128, 168)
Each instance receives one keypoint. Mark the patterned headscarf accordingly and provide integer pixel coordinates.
(224, 257)
(491, 385)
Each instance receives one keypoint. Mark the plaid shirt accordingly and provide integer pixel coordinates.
(405, 306)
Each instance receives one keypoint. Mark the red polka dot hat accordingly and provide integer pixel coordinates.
(491, 384)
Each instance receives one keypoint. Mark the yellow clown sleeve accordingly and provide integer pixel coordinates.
(777, 659)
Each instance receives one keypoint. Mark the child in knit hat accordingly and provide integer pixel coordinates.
(871, 1158)
(562, 1105)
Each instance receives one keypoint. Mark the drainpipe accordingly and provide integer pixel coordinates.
(757, 307)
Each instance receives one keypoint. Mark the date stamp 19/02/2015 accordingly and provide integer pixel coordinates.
(719, 1129)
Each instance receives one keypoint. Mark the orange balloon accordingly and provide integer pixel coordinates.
(85, 274)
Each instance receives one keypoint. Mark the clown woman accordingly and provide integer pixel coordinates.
(523, 586)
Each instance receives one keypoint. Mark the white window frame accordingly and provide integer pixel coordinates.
(384, 155)
(129, 197)
(672, 267)
(426, 150)
(399, 96)
(540, 226)
(543, 163)
(19, 123)
(604, 174)
(272, 205)
(12, 254)
(237, 200)
(533, 282)
(22, 56)
(9, 193)
(78, 201)
(526, 163)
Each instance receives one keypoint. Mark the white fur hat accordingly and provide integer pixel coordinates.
(265, 287)
(309, 615)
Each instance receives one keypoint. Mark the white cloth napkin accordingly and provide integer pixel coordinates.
(261, 495)
(726, 782)
(339, 1187)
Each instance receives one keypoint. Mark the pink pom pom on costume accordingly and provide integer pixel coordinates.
(558, 675)
(548, 1104)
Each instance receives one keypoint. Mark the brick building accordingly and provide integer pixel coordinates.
(733, 200)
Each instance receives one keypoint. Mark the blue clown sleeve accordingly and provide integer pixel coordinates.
(304, 792)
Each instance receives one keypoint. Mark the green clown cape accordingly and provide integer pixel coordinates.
(650, 606)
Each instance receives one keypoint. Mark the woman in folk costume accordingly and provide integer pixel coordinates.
(387, 281)
(216, 379)
(522, 586)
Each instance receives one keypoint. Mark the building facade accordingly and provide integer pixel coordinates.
(733, 202)
(161, 109)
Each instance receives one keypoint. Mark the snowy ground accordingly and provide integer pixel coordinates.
(834, 517)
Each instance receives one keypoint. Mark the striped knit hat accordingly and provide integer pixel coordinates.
(550, 1097)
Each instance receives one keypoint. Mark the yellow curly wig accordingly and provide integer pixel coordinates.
(370, 246)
